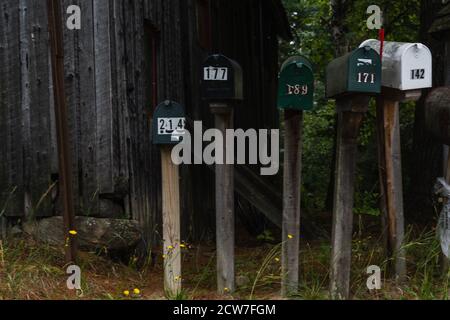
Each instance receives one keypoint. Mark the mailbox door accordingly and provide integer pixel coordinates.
(364, 71)
(417, 72)
(296, 85)
(168, 125)
(219, 79)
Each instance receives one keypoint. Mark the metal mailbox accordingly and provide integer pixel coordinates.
(296, 84)
(169, 123)
(222, 79)
(406, 66)
(356, 72)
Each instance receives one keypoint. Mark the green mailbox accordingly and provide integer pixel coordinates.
(169, 123)
(296, 84)
(356, 72)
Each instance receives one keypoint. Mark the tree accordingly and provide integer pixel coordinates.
(426, 157)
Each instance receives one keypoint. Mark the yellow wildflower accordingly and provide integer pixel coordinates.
(290, 236)
(73, 232)
(137, 291)
(126, 293)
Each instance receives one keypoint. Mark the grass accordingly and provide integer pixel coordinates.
(29, 270)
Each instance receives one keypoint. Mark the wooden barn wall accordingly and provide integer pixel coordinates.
(116, 170)
(27, 155)
(245, 32)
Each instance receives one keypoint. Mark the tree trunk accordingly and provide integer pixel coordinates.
(426, 162)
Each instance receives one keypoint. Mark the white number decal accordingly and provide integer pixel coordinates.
(215, 74)
(418, 74)
(170, 125)
(366, 77)
(297, 90)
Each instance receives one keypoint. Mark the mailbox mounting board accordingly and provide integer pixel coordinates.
(222, 79)
(356, 72)
(406, 66)
(296, 84)
(169, 123)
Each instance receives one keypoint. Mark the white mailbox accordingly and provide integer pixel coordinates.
(406, 66)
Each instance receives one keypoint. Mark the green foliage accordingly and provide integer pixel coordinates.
(266, 236)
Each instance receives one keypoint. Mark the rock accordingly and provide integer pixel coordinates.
(93, 234)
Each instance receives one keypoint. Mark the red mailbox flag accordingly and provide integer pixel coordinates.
(381, 36)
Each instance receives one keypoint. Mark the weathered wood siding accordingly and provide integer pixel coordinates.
(248, 32)
(116, 170)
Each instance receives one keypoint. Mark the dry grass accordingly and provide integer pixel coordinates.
(35, 271)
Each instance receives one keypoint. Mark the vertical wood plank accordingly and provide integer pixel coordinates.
(13, 187)
(171, 223)
(4, 185)
(41, 184)
(86, 68)
(391, 181)
(25, 101)
(291, 201)
(122, 156)
(71, 87)
(103, 96)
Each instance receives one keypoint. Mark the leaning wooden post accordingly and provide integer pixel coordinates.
(407, 68)
(295, 94)
(62, 129)
(168, 128)
(390, 173)
(362, 71)
(222, 84)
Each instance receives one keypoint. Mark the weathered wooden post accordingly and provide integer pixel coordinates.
(295, 94)
(222, 86)
(406, 69)
(440, 29)
(351, 79)
(62, 128)
(168, 127)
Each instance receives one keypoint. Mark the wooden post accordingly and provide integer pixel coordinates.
(225, 233)
(390, 173)
(291, 201)
(171, 223)
(62, 129)
(350, 115)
